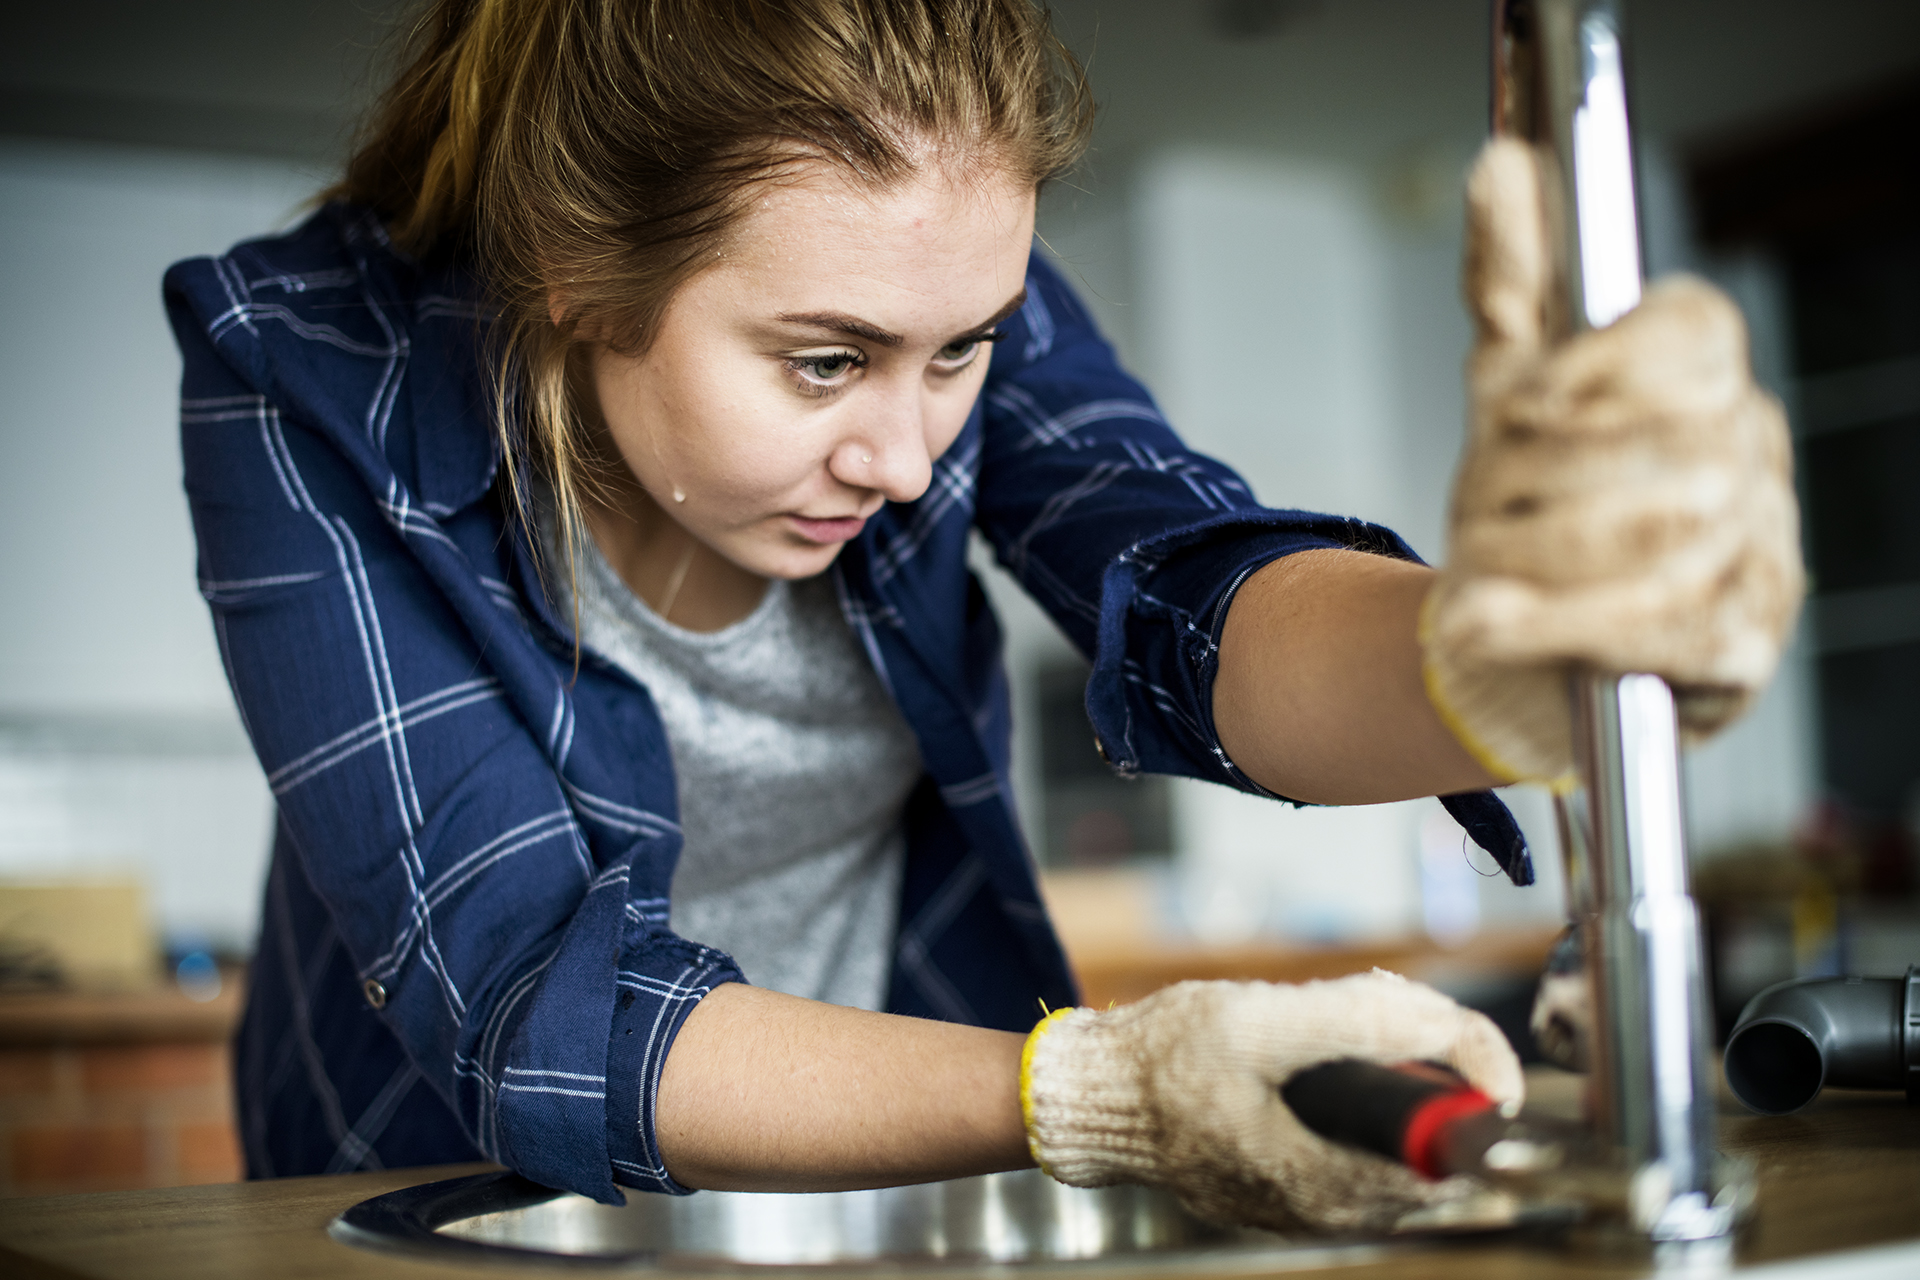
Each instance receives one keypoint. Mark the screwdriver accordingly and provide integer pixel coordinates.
(1418, 1113)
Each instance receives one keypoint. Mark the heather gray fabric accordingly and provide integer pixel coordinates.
(793, 767)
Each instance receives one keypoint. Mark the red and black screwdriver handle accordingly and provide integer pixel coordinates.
(1418, 1113)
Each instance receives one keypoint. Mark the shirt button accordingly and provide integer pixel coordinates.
(375, 993)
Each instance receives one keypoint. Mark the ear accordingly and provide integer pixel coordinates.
(563, 312)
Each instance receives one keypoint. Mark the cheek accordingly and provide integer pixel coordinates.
(630, 406)
(944, 427)
(723, 434)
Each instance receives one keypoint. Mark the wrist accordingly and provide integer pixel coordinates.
(1514, 721)
(1082, 1099)
(1437, 677)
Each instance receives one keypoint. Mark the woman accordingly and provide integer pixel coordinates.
(583, 498)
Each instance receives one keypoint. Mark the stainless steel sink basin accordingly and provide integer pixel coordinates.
(968, 1225)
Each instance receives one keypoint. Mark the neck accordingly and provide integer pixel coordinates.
(678, 576)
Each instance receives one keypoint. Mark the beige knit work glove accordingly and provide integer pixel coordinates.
(1625, 502)
(1182, 1090)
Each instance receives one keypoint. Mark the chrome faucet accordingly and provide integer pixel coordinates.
(1559, 83)
(1650, 1052)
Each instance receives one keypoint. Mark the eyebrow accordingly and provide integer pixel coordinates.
(840, 322)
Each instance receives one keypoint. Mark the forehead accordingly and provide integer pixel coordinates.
(943, 240)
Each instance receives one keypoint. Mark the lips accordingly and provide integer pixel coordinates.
(828, 532)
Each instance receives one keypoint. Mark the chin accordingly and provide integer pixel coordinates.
(794, 563)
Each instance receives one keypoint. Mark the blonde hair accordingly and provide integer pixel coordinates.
(600, 150)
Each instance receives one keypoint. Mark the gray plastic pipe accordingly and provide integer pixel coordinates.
(1796, 1038)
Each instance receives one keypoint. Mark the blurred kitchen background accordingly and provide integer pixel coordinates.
(1268, 227)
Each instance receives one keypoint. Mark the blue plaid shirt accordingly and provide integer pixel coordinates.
(466, 949)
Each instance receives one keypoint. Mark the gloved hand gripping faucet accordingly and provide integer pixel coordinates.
(1624, 503)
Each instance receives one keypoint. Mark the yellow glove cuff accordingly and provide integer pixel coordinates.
(1026, 1082)
(1523, 710)
(1430, 676)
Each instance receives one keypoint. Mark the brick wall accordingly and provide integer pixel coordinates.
(115, 1092)
(112, 1117)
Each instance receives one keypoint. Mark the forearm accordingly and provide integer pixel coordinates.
(1319, 695)
(769, 1092)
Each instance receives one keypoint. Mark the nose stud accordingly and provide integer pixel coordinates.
(866, 457)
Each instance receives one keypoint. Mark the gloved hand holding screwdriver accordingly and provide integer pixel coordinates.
(1182, 1089)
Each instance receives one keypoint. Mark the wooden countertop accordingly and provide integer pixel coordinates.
(160, 1013)
(1842, 1175)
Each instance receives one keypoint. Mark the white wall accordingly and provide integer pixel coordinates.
(95, 546)
(119, 748)
(1248, 866)
(1262, 324)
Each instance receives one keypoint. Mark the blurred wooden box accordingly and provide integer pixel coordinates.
(93, 933)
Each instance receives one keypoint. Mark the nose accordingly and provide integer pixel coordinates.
(887, 447)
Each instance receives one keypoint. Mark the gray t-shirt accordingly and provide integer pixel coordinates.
(793, 766)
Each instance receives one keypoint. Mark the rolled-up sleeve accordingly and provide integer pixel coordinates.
(1133, 543)
(1136, 545)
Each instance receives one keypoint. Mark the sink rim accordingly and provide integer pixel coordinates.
(407, 1222)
